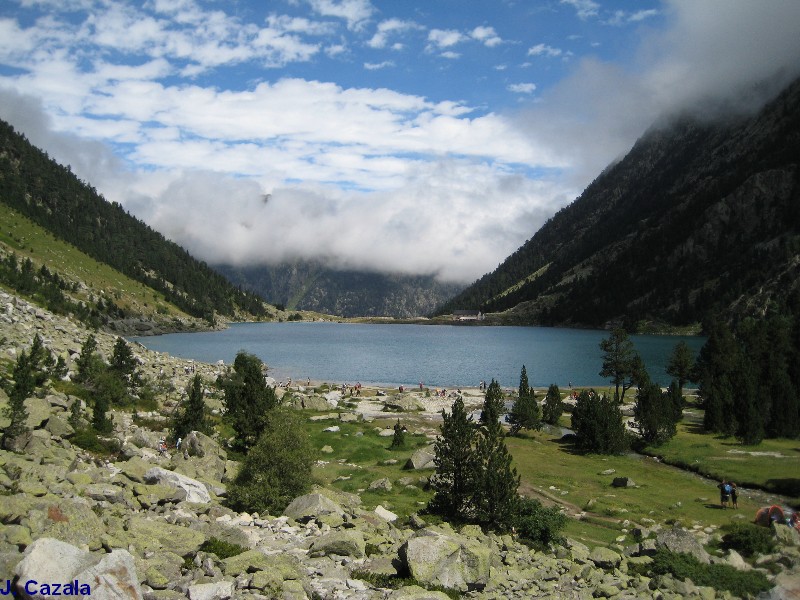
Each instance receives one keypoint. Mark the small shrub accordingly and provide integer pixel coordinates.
(538, 525)
(88, 439)
(749, 539)
(720, 577)
(222, 548)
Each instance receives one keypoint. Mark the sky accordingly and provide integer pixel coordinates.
(421, 137)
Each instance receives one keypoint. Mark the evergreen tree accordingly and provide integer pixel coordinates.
(715, 369)
(496, 498)
(124, 365)
(525, 413)
(620, 362)
(248, 400)
(191, 414)
(681, 364)
(89, 362)
(24, 385)
(654, 415)
(675, 401)
(598, 426)
(553, 407)
(493, 405)
(750, 418)
(456, 468)
(41, 361)
(277, 469)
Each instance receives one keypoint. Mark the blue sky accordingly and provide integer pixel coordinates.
(409, 136)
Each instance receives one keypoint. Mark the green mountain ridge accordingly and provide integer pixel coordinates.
(53, 198)
(700, 216)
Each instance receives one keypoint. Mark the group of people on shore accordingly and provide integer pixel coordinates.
(728, 494)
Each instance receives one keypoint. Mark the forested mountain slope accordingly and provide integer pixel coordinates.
(309, 285)
(700, 215)
(50, 195)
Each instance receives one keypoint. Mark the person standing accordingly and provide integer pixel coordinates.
(734, 495)
(724, 493)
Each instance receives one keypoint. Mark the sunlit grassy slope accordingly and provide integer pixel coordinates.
(28, 240)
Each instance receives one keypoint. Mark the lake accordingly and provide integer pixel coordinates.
(439, 356)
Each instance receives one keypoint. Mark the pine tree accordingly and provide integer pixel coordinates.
(493, 405)
(248, 400)
(496, 498)
(621, 362)
(191, 415)
(89, 362)
(123, 364)
(24, 385)
(654, 415)
(675, 401)
(525, 413)
(456, 469)
(715, 369)
(553, 407)
(750, 418)
(597, 422)
(681, 364)
(399, 438)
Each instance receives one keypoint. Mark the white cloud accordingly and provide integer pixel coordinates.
(445, 38)
(355, 12)
(389, 28)
(487, 35)
(621, 17)
(377, 66)
(544, 50)
(522, 88)
(584, 8)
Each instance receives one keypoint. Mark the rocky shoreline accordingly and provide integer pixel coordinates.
(141, 527)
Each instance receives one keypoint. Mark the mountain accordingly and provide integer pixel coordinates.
(310, 285)
(53, 198)
(701, 215)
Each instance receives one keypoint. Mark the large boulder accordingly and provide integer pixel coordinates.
(195, 491)
(38, 411)
(311, 506)
(148, 535)
(403, 403)
(680, 540)
(421, 459)
(48, 561)
(340, 543)
(452, 561)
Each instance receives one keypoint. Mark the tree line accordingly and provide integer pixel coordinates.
(53, 197)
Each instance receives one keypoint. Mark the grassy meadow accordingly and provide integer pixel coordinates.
(553, 471)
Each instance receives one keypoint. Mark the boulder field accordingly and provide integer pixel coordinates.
(142, 527)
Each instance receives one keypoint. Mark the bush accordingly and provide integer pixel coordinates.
(597, 421)
(720, 577)
(88, 439)
(222, 548)
(277, 469)
(749, 539)
(538, 525)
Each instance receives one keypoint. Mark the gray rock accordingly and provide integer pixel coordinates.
(414, 592)
(620, 482)
(605, 558)
(218, 590)
(38, 411)
(349, 542)
(381, 485)
(312, 506)
(680, 540)
(787, 536)
(421, 459)
(110, 576)
(433, 557)
(195, 491)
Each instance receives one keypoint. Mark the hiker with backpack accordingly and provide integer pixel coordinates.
(724, 493)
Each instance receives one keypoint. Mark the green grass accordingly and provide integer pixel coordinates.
(773, 465)
(357, 458)
(28, 240)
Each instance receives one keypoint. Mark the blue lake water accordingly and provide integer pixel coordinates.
(439, 356)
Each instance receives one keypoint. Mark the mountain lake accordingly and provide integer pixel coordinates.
(438, 356)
